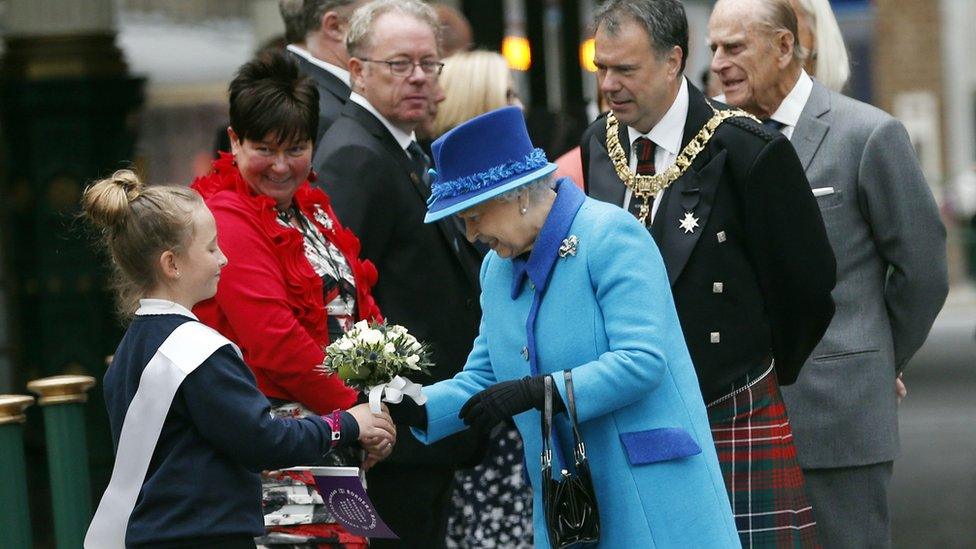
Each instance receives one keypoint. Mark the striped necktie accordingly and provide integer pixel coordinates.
(644, 150)
(421, 162)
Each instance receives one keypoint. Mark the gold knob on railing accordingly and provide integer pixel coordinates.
(61, 389)
(12, 408)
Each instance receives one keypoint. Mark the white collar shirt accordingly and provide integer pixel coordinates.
(335, 70)
(149, 307)
(402, 138)
(666, 135)
(790, 109)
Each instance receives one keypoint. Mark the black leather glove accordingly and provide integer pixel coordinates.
(409, 413)
(503, 400)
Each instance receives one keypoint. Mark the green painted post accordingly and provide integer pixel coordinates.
(63, 398)
(15, 516)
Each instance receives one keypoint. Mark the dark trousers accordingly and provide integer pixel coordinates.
(851, 505)
(414, 501)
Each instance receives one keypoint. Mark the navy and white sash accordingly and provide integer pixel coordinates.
(184, 350)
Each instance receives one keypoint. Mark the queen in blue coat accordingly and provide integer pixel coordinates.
(573, 283)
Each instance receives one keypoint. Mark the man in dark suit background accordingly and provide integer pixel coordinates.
(885, 228)
(746, 251)
(374, 171)
(321, 52)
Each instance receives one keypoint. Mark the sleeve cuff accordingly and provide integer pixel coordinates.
(349, 429)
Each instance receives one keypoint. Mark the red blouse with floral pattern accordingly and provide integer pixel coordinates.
(269, 300)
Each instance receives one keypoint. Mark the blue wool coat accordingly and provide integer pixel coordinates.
(606, 313)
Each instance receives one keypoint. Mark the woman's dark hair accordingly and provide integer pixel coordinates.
(270, 97)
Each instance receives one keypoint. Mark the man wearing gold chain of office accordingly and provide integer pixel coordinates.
(747, 255)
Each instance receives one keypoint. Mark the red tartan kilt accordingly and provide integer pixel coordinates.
(754, 441)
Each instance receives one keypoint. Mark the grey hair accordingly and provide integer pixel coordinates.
(831, 65)
(361, 25)
(778, 16)
(664, 21)
(535, 190)
(293, 15)
(315, 9)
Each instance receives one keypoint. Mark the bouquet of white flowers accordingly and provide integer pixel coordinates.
(372, 356)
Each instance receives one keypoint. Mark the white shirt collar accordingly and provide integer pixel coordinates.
(336, 70)
(790, 109)
(162, 307)
(667, 133)
(402, 137)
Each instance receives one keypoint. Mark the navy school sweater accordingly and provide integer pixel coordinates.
(203, 479)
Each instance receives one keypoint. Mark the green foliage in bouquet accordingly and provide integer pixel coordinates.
(374, 353)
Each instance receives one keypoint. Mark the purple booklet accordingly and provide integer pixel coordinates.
(343, 494)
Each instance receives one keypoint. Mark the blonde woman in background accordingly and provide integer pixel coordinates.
(820, 35)
(474, 83)
(492, 501)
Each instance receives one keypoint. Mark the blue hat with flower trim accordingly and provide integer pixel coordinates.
(481, 159)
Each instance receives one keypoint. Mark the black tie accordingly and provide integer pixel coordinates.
(421, 163)
(773, 125)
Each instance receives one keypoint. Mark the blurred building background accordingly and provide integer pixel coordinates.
(89, 86)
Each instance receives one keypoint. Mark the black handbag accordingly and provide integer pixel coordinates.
(569, 504)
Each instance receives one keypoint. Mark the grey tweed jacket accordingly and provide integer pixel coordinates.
(890, 246)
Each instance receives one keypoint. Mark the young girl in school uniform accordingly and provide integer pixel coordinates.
(190, 428)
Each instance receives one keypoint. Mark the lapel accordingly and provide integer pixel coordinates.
(693, 192)
(462, 250)
(393, 149)
(603, 181)
(811, 128)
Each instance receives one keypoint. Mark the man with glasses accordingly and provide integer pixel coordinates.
(376, 174)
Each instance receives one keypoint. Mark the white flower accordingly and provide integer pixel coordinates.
(371, 337)
(389, 348)
(412, 361)
(345, 344)
(412, 343)
(361, 326)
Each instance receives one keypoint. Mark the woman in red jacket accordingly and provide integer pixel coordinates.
(294, 280)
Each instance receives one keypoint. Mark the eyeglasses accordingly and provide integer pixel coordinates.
(403, 67)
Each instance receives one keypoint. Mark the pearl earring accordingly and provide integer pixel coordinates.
(524, 210)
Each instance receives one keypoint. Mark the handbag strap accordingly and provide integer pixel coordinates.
(547, 427)
(579, 450)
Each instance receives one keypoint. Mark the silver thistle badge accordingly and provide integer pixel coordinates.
(569, 246)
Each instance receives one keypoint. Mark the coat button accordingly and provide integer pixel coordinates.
(720, 236)
(717, 287)
(715, 337)
(525, 353)
(531, 285)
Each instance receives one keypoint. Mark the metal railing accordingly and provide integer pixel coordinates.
(62, 400)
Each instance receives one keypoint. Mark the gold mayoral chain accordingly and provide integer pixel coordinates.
(646, 187)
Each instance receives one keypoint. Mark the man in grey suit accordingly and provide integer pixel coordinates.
(889, 242)
(322, 53)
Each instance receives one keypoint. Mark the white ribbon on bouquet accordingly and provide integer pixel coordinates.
(393, 392)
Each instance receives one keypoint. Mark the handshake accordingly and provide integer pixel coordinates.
(377, 434)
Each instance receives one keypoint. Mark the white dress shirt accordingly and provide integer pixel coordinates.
(790, 109)
(666, 135)
(336, 70)
(402, 137)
